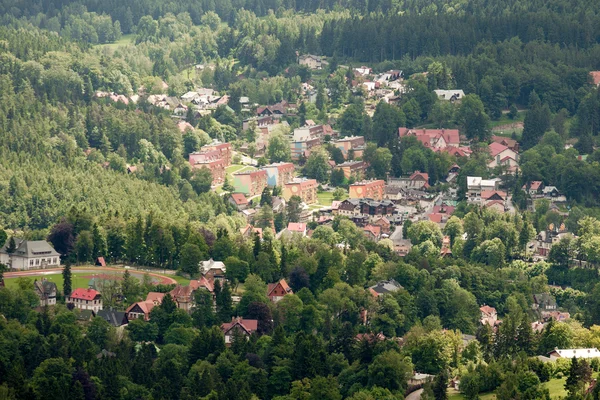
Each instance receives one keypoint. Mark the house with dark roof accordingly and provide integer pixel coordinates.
(276, 291)
(212, 269)
(46, 291)
(86, 299)
(244, 326)
(544, 302)
(115, 318)
(30, 254)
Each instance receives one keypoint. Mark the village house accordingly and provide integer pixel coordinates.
(366, 208)
(372, 232)
(476, 185)
(279, 173)
(383, 223)
(489, 315)
(306, 189)
(249, 231)
(373, 189)
(114, 318)
(46, 291)
(433, 138)
(297, 227)
(349, 143)
(418, 180)
(503, 156)
(277, 110)
(533, 188)
(276, 291)
(86, 299)
(450, 95)
(142, 309)
(238, 200)
(244, 326)
(355, 169)
(309, 132)
(311, 61)
(212, 270)
(543, 242)
(184, 295)
(30, 254)
(250, 183)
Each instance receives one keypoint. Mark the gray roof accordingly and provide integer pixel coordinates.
(115, 318)
(32, 248)
(384, 287)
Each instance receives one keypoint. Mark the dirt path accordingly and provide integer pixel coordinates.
(165, 280)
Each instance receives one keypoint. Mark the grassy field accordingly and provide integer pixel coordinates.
(556, 387)
(79, 280)
(124, 41)
(326, 198)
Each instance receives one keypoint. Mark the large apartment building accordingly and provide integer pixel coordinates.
(374, 189)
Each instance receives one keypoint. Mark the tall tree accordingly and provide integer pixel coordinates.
(67, 284)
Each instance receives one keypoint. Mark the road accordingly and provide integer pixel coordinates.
(416, 395)
(92, 270)
(397, 235)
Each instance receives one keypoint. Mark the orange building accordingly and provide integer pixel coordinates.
(306, 189)
(368, 190)
(279, 173)
(354, 169)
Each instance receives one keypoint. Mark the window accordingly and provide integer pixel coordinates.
(31, 262)
(37, 261)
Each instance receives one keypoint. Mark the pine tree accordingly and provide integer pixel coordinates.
(67, 284)
(440, 385)
(224, 303)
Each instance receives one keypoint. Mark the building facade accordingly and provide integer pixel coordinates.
(250, 183)
(279, 174)
(30, 254)
(306, 189)
(374, 189)
(86, 299)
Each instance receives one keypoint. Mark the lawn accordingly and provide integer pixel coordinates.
(326, 198)
(556, 387)
(124, 41)
(79, 280)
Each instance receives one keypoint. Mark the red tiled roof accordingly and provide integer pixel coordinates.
(444, 209)
(239, 198)
(595, 77)
(283, 284)
(374, 229)
(101, 262)
(249, 325)
(494, 202)
(487, 309)
(202, 282)
(84, 294)
(496, 148)
(535, 185)
(155, 297)
(296, 227)
(486, 194)
(437, 218)
(424, 176)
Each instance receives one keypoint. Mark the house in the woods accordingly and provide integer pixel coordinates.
(245, 327)
(115, 318)
(276, 291)
(212, 269)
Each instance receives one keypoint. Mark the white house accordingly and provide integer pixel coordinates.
(30, 254)
(86, 299)
(476, 186)
(502, 155)
(570, 353)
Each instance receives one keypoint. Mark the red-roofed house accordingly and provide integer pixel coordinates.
(443, 209)
(595, 78)
(419, 180)
(297, 227)
(86, 299)
(491, 195)
(239, 201)
(533, 187)
(276, 291)
(437, 218)
(383, 223)
(373, 232)
(245, 326)
(433, 138)
(250, 230)
(142, 309)
(488, 315)
(184, 126)
(502, 155)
